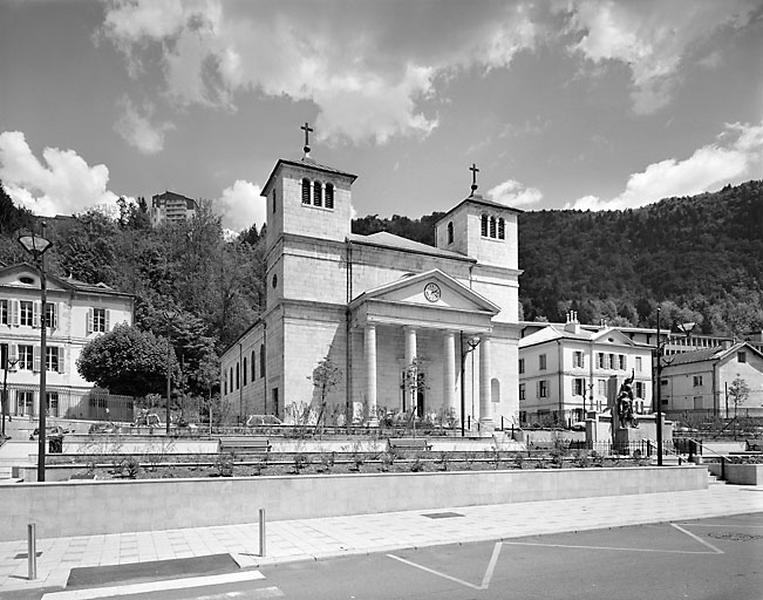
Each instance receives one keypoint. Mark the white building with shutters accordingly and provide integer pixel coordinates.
(76, 313)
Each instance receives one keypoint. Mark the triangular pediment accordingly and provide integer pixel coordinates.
(613, 336)
(25, 276)
(429, 289)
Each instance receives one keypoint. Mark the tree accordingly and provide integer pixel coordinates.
(326, 376)
(739, 392)
(127, 361)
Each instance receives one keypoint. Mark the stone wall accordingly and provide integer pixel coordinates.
(98, 507)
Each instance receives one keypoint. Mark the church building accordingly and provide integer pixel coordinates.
(379, 306)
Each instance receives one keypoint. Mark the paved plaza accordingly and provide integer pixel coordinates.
(320, 538)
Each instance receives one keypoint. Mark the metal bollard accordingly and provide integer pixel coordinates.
(262, 532)
(32, 550)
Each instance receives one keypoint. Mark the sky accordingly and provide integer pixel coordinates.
(560, 104)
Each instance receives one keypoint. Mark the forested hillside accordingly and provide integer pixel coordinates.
(700, 258)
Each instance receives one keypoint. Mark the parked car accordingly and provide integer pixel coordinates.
(54, 431)
(263, 420)
(103, 428)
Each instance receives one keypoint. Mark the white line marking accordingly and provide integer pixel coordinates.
(433, 572)
(727, 525)
(491, 566)
(699, 539)
(154, 586)
(576, 547)
(267, 592)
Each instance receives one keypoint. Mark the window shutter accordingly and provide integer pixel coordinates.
(89, 325)
(36, 359)
(13, 352)
(108, 319)
(13, 306)
(61, 358)
(36, 314)
(54, 315)
(537, 389)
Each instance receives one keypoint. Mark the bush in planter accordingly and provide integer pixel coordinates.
(301, 461)
(130, 467)
(327, 461)
(387, 460)
(444, 461)
(417, 465)
(519, 461)
(223, 465)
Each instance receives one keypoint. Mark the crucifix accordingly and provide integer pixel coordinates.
(474, 171)
(307, 129)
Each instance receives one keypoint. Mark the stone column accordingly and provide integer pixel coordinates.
(410, 355)
(449, 371)
(369, 340)
(486, 406)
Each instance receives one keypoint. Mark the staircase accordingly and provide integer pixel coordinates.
(714, 479)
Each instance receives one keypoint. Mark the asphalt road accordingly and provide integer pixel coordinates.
(718, 558)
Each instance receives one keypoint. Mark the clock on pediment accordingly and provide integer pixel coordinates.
(432, 292)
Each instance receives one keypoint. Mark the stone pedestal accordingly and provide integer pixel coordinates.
(629, 440)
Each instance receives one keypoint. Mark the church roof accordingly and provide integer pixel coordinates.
(385, 239)
(306, 162)
(480, 201)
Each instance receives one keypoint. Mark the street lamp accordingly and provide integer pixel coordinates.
(467, 346)
(37, 246)
(9, 365)
(169, 314)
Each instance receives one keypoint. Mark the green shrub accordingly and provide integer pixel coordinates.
(223, 465)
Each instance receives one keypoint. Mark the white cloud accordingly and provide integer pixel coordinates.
(511, 193)
(652, 37)
(138, 130)
(737, 155)
(363, 92)
(65, 184)
(241, 206)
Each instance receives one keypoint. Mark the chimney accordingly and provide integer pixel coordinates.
(572, 325)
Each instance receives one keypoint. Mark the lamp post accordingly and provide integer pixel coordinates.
(467, 346)
(9, 364)
(37, 246)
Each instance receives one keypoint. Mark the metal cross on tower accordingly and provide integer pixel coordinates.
(474, 171)
(307, 129)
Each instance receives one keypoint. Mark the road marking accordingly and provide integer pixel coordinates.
(256, 594)
(727, 525)
(491, 566)
(485, 579)
(154, 586)
(699, 539)
(577, 547)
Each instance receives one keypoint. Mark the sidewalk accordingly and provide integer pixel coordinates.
(361, 534)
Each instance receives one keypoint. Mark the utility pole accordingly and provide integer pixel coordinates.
(659, 392)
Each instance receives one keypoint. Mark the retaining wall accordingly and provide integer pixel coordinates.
(99, 507)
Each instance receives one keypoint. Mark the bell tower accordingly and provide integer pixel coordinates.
(306, 198)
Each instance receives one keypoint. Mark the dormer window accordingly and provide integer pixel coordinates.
(501, 229)
(329, 195)
(305, 191)
(317, 193)
(450, 232)
(484, 225)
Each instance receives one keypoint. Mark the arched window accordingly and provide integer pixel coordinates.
(484, 225)
(495, 390)
(238, 376)
(225, 383)
(329, 195)
(274, 201)
(317, 193)
(245, 371)
(450, 232)
(262, 360)
(253, 362)
(501, 229)
(305, 191)
(492, 227)
(231, 379)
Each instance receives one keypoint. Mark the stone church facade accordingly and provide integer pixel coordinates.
(373, 304)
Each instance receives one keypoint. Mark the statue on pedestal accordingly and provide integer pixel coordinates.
(624, 403)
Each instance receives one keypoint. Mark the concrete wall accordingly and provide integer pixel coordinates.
(99, 507)
(744, 474)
